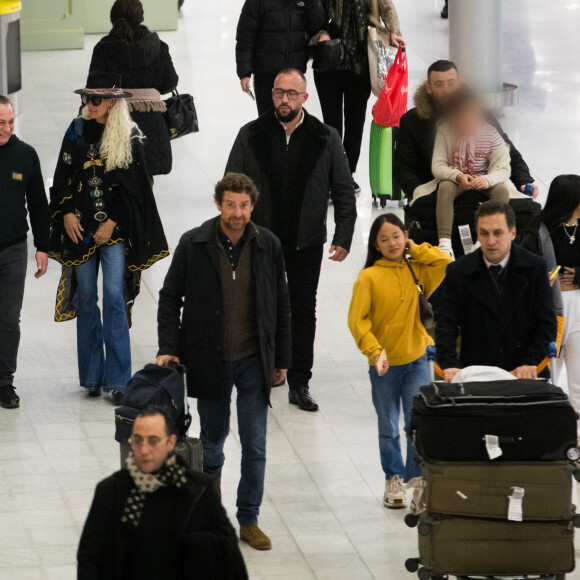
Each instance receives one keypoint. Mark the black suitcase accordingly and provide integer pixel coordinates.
(524, 419)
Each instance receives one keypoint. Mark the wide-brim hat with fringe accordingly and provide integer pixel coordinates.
(105, 85)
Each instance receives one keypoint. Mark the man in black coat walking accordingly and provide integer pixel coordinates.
(417, 129)
(21, 192)
(498, 299)
(295, 161)
(228, 278)
(273, 35)
(156, 519)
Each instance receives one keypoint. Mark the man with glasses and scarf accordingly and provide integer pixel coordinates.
(297, 163)
(155, 518)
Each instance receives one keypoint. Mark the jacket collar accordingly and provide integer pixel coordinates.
(10, 143)
(424, 102)
(519, 259)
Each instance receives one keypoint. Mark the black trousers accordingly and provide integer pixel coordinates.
(13, 261)
(303, 272)
(263, 85)
(342, 91)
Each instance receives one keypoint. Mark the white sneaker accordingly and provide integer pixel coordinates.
(395, 494)
(445, 246)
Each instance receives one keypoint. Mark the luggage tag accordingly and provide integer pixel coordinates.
(515, 512)
(492, 445)
(466, 239)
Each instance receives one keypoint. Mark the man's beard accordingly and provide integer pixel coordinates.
(288, 117)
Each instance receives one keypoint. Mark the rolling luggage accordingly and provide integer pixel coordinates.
(483, 490)
(479, 547)
(519, 420)
(382, 149)
(163, 386)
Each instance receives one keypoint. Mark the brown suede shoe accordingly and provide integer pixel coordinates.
(217, 485)
(255, 537)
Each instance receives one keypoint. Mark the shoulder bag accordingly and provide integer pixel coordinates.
(180, 116)
(425, 309)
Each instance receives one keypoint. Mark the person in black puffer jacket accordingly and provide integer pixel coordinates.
(273, 35)
(144, 62)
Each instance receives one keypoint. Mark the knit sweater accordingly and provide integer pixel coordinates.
(384, 310)
(22, 187)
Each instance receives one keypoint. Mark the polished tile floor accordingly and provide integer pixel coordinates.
(322, 506)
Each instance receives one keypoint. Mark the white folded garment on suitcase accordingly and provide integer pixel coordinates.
(479, 373)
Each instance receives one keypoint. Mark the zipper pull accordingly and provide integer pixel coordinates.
(233, 274)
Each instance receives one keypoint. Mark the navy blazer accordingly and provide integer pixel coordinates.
(508, 331)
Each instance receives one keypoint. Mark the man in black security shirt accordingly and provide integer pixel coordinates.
(295, 160)
(21, 187)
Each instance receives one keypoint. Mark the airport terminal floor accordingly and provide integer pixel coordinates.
(323, 494)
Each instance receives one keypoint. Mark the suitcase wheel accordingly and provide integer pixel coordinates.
(425, 529)
(573, 454)
(412, 564)
(412, 520)
(424, 574)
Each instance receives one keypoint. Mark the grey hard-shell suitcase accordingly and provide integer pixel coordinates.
(478, 547)
(483, 490)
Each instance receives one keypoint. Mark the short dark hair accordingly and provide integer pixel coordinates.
(493, 207)
(461, 98)
(441, 66)
(238, 183)
(152, 410)
(5, 100)
(293, 71)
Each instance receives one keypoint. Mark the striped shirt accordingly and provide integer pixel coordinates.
(472, 153)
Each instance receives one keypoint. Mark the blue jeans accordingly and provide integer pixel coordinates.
(401, 383)
(112, 335)
(248, 376)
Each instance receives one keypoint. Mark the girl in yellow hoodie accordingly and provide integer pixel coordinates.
(384, 315)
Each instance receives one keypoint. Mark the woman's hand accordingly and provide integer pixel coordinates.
(382, 363)
(397, 41)
(104, 232)
(73, 228)
(410, 244)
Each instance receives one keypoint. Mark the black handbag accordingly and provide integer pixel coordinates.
(180, 116)
(425, 309)
(330, 55)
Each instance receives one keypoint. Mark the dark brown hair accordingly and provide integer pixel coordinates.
(374, 253)
(493, 207)
(152, 410)
(126, 16)
(238, 183)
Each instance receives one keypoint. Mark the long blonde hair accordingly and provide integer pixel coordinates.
(116, 148)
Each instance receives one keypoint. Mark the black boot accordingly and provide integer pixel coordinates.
(301, 397)
(445, 11)
(8, 397)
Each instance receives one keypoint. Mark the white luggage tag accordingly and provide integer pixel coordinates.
(515, 511)
(492, 445)
(466, 239)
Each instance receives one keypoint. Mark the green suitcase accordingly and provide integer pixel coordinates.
(381, 153)
(483, 489)
(477, 547)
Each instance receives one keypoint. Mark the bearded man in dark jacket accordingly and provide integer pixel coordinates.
(273, 35)
(143, 61)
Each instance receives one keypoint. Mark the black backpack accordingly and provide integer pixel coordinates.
(153, 385)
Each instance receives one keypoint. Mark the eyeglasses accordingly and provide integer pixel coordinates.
(153, 442)
(96, 101)
(292, 94)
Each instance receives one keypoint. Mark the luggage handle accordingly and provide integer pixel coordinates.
(460, 386)
(507, 440)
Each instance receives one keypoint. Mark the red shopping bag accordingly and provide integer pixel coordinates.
(392, 102)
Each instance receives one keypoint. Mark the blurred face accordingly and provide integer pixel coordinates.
(288, 105)
(100, 112)
(236, 210)
(441, 84)
(151, 444)
(495, 237)
(391, 242)
(6, 123)
(468, 120)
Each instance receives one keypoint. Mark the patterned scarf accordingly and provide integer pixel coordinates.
(170, 474)
(464, 155)
(351, 16)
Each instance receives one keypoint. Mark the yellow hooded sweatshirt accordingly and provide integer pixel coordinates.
(384, 310)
